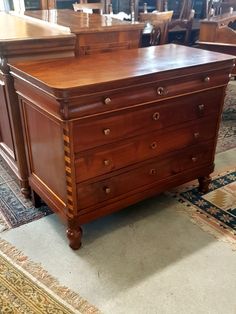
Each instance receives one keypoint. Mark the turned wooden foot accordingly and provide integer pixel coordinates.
(204, 184)
(25, 189)
(26, 192)
(74, 234)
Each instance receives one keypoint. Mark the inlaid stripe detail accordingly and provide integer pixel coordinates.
(67, 159)
(68, 170)
(69, 193)
(67, 150)
(68, 180)
(66, 138)
(69, 190)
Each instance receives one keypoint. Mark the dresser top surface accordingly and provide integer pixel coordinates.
(122, 66)
(14, 28)
(79, 22)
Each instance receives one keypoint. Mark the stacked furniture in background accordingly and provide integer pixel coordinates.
(218, 33)
(95, 33)
(23, 40)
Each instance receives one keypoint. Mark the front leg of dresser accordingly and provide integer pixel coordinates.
(204, 183)
(74, 233)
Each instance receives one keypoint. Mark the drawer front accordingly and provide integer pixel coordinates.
(117, 186)
(151, 92)
(111, 157)
(89, 133)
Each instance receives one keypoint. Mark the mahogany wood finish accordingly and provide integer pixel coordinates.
(19, 40)
(119, 129)
(95, 33)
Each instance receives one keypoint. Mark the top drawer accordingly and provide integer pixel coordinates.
(150, 92)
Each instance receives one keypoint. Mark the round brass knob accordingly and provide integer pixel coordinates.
(161, 91)
(196, 135)
(106, 162)
(152, 172)
(156, 116)
(153, 145)
(207, 79)
(201, 108)
(194, 159)
(106, 131)
(107, 100)
(107, 190)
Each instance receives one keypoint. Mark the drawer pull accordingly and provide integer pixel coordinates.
(107, 101)
(106, 162)
(156, 116)
(194, 159)
(106, 131)
(153, 145)
(201, 108)
(196, 135)
(107, 190)
(161, 91)
(207, 79)
(153, 172)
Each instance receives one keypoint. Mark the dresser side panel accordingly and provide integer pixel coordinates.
(44, 136)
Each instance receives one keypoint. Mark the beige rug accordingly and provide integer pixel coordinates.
(26, 288)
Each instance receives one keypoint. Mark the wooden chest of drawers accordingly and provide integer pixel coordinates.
(105, 133)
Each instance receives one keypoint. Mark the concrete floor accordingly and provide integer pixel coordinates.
(148, 258)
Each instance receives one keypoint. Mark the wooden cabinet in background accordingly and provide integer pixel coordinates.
(22, 40)
(120, 127)
(94, 33)
(219, 34)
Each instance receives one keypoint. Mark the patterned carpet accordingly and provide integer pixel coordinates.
(215, 211)
(227, 132)
(15, 210)
(229, 112)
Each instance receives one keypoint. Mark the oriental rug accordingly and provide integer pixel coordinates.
(15, 210)
(27, 288)
(229, 110)
(214, 211)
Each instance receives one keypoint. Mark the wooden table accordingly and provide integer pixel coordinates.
(120, 127)
(94, 32)
(23, 40)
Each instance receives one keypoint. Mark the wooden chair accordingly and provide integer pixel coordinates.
(183, 24)
(159, 22)
(95, 7)
(154, 17)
